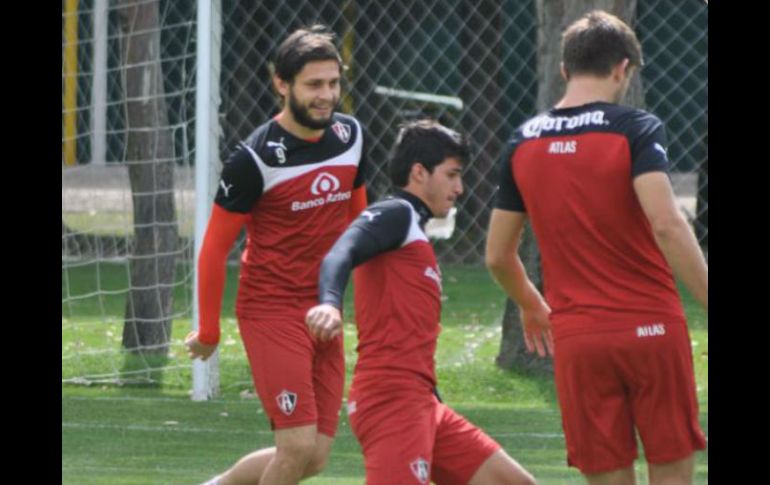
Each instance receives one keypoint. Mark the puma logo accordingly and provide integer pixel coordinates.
(226, 188)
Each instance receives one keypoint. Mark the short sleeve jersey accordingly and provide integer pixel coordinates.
(571, 170)
(297, 194)
(397, 290)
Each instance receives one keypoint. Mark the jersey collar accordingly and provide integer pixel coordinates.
(417, 203)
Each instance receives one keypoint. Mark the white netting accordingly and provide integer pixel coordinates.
(99, 230)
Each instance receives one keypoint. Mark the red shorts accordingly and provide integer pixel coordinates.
(611, 382)
(299, 380)
(410, 438)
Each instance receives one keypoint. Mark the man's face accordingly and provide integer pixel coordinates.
(444, 186)
(315, 93)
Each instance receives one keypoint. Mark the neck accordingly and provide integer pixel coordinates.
(584, 90)
(417, 194)
(288, 123)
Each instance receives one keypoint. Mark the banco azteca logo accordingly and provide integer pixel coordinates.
(324, 182)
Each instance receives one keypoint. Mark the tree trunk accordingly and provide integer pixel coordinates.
(553, 17)
(149, 157)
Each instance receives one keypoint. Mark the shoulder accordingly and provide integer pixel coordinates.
(392, 215)
(256, 139)
(393, 209)
(389, 222)
(632, 121)
(241, 159)
(344, 118)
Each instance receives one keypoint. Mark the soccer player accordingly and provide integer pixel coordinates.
(408, 436)
(295, 183)
(592, 177)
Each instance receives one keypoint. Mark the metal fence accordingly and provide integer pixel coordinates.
(480, 53)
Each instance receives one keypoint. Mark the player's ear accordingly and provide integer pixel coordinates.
(621, 70)
(281, 86)
(564, 72)
(418, 173)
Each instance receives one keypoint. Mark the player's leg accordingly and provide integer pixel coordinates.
(501, 469)
(595, 406)
(675, 473)
(328, 378)
(623, 476)
(665, 403)
(280, 355)
(294, 450)
(464, 454)
(249, 469)
(396, 433)
(320, 456)
(328, 386)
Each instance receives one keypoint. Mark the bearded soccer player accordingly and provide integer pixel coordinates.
(408, 436)
(295, 183)
(592, 177)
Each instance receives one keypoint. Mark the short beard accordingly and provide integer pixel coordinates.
(302, 117)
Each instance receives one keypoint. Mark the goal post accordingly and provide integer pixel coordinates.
(206, 374)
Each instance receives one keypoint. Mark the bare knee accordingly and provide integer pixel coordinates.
(623, 476)
(317, 463)
(517, 476)
(675, 473)
(320, 456)
(296, 454)
(501, 469)
(506, 477)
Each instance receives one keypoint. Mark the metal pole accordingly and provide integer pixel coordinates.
(99, 92)
(202, 166)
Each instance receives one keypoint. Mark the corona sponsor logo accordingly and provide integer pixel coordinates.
(536, 126)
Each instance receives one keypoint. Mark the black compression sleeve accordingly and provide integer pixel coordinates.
(381, 227)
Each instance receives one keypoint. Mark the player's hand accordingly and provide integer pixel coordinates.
(537, 329)
(197, 349)
(324, 321)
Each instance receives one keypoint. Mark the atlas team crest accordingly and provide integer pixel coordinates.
(287, 401)
(421, 469)
(342, 131)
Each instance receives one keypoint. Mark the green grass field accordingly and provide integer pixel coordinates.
(154, 434)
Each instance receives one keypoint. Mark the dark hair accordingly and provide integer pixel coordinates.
(428, 143)
(596, 42)
(315, 43)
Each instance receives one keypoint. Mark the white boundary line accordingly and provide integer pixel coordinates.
(180, 429)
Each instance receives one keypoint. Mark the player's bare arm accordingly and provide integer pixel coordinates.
(673, 235)
(506, 267)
